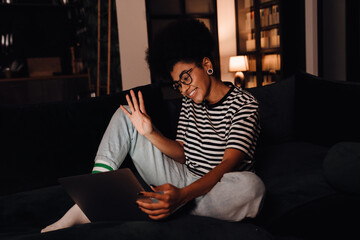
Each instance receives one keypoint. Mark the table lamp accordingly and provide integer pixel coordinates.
(238, 64)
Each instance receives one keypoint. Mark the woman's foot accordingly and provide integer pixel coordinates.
(72, 217)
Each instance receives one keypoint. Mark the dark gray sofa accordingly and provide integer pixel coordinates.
(306, 123)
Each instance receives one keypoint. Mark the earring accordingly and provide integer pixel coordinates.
(210, 71)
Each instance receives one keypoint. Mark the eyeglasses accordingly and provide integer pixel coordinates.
(185, 78)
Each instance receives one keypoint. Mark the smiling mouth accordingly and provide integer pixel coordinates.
(192, 92)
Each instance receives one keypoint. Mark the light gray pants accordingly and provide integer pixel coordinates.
(236, 196)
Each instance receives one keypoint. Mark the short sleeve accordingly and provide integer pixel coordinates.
(245, 129)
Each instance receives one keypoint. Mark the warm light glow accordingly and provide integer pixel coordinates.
(238, 64)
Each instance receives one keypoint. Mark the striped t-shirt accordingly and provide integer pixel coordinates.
(207, 130)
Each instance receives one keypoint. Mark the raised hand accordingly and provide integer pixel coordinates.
(137, 113)
(170, 199)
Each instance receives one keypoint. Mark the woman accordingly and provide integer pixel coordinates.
(211, 160)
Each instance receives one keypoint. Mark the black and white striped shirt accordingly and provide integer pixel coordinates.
(207, 130)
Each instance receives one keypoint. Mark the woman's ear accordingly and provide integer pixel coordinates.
(207, 64)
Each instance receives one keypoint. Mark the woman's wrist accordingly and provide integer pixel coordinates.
(186, 194)
(151, 134)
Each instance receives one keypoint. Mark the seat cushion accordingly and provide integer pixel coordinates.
(23, 215)
(292, 173)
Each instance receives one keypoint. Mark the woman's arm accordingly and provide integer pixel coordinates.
(173, 197)
(232, 158)
(142, 123)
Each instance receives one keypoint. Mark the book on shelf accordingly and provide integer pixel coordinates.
(269, 16)
(264, 17)
(252, 64)
(270, 38)
(271, 62)
(274, 38)
(267, 79)
(251, 81)
(264, 39)
(250, 42)
(275, 18)
(249, 21)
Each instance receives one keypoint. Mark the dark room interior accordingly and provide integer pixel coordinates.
(65, 68)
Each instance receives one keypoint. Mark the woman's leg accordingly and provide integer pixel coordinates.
(72, 217)
(121, 138)
(238, 195)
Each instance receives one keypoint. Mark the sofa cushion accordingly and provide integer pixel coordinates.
(342, 167)
(329, 217)
(276, 108)
(24, 214)
(292, 174)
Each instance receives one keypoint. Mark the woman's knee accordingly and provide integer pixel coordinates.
(246, 183)
(246, 186)
(236, 196)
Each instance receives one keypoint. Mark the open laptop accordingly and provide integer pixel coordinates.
(107, 196)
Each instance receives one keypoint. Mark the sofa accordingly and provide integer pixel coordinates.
(308, 156)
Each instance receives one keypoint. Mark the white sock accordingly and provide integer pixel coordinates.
(72, 217)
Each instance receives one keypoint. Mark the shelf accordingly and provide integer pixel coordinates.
(269, 4)
(265, 56)
(35, 90)
(42, 78)
(262, 51)
(177, 16)
(270, 50)
(38, 5)
(277, 72)
(270, 27)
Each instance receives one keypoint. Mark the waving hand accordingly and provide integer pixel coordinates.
(137, 113)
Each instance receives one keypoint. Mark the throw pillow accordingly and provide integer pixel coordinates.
(342, 166)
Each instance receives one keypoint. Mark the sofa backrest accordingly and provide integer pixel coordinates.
(308, 108)
(40, 143)
(276, 109)
(327, 112)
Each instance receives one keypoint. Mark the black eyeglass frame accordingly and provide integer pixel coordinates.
(177, 83)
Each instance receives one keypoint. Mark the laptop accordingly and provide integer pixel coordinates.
(106, 196)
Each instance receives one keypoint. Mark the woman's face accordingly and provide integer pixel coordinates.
(199, 82)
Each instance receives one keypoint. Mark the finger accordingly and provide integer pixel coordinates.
(152, 205)
(131, 106)
(161, 188)
(141, 102)
(154, 212)
(127, 113)
(159, 217)
(157, 195)
(134, 100)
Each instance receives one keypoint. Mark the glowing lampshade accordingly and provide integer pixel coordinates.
(238, 64)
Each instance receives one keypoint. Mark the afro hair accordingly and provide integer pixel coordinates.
(185, 40)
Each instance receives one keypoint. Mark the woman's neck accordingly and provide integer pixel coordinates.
(217, 91)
